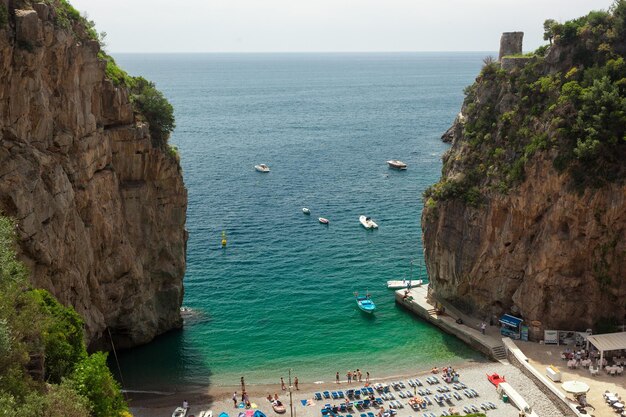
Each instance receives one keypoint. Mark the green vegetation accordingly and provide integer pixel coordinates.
(158, 112)
(4, 16)
(44, 367)
(572, 112)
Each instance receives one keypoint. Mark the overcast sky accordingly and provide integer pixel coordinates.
(323, 25)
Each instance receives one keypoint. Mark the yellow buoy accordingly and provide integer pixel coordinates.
(224, 239)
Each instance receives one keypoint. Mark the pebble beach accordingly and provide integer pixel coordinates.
(218, 399)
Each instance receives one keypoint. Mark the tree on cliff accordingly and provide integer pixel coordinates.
(548, 30)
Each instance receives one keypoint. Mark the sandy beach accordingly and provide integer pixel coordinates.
(219, 399)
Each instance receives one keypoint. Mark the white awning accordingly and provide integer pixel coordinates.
(608, 341)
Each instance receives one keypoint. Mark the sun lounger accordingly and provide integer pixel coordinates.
(318, 396)
(457, 396)
(448, 398)
(401, 394)
(467, 410)
(423, 405)
(335, 395)
(391, 396)
(379, 401)
(340, 394)
(428, 391)
(411, 383)
(370, 414)
(492, 405)
(474, 408)
(432, 415)
(348, 415)
(370, 390)
(326, 395)
(363, 415)
(418, 382)
(474, 392)
(467, 393)
(402, 385)
(444, 413)
(427, 399)
(366, 403)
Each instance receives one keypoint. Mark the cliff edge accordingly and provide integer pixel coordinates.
(529, 216)
(100, 207)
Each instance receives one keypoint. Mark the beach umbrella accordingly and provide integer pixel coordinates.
(575, 387)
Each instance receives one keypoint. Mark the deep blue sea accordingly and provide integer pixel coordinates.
(280, 295)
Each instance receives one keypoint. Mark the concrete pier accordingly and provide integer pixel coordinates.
(469, 332)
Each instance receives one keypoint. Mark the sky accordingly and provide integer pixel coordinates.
(324, 25)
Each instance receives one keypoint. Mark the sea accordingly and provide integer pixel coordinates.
(279, 297)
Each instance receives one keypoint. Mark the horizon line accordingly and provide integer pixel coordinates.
(296, 52)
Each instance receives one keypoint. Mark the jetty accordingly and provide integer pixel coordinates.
(419, 302)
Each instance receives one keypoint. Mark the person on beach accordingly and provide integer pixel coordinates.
(235, 399)
(243, 396)
(483, 326)
(295, 382)
(243, 384)
(367, 377)
(276, 397)
(185, 404)
(349, 375)
(269, 398)
(337, 377)
(282, 384)
(359, 374)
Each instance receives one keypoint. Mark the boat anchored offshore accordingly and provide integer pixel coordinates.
(368, 223)
(262, 168)
(394, 163)
(323, 220)
(306, 210)
(365, 303)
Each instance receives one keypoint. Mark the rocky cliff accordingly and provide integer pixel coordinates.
(529, 216)
(101, 210)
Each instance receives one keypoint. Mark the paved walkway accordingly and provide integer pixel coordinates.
(489, 343)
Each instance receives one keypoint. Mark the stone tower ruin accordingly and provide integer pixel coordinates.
(510, 44)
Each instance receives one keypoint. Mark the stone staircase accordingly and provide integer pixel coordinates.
(499, 352)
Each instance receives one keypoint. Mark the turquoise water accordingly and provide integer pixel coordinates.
(281, 294)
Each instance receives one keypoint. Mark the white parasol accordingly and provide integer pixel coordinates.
(575, 387)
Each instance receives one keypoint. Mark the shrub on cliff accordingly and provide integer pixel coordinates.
(153, 105)
(42, 353)
(92, 379)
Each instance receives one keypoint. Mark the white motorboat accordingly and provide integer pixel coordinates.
(262, 168)
(179, 412)
(396, 285)
(394, 163)
(306, 210)
(323, 220)
(368, 223)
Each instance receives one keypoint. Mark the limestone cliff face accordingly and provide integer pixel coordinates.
(101, 211)
(540, 248)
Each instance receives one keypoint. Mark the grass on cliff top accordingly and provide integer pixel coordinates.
(45, 369)
(573, 112)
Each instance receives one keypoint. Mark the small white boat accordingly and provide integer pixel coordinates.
(396, 285)
(306, 210)
(324, 221)
(368, 223)
(262, 168)
(179, 412)
(394, 163)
